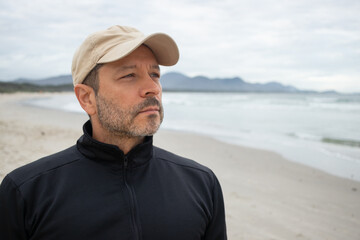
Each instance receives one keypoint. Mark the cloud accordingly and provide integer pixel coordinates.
(293, 42)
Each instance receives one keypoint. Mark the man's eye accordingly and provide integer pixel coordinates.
(129, 75)
(156, 75)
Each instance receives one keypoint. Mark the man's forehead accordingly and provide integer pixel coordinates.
(151, 66)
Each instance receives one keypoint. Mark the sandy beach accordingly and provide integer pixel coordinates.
(266, 196)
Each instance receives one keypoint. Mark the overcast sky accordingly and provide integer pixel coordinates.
(310, 44)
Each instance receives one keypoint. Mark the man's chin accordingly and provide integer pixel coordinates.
(144, 133)
(147, 128)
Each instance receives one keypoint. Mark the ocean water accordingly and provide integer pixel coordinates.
(321, 131)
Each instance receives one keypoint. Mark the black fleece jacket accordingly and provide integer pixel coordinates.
(93, 191)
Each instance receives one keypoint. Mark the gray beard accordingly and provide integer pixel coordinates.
(121, 122)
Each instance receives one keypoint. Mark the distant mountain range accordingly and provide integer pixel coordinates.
(174, 81)
(51, 81)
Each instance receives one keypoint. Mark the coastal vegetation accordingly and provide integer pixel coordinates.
(11, 87)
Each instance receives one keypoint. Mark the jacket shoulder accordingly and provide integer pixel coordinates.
(44, 165)
(174, 159)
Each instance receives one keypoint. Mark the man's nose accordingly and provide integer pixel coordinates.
(150, 87)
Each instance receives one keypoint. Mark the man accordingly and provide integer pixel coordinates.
(114, 184)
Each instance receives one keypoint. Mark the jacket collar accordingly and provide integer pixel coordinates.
(100, 151)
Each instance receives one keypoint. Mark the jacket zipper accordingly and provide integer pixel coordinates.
(132, 201)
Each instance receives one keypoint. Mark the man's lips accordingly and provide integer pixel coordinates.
(150, 110)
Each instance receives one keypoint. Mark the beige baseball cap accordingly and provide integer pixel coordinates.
(117, 42)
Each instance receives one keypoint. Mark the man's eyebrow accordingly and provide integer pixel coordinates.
(155, 67)
(126, 67)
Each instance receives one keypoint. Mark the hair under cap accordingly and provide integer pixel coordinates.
(117, 42)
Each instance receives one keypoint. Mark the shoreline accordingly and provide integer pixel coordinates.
(266, 196)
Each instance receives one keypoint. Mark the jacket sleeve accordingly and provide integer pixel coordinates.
(216, 229)
(11, 211)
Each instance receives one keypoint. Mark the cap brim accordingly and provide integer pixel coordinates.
(162, 45)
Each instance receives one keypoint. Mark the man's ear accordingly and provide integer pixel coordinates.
(86, 97)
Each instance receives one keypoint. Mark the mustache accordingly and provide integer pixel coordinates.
(149, 102)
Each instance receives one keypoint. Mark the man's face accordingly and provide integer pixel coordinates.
(129, 97)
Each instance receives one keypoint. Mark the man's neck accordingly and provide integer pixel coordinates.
(124, 143)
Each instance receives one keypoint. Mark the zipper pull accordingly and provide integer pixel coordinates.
(125, 162)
